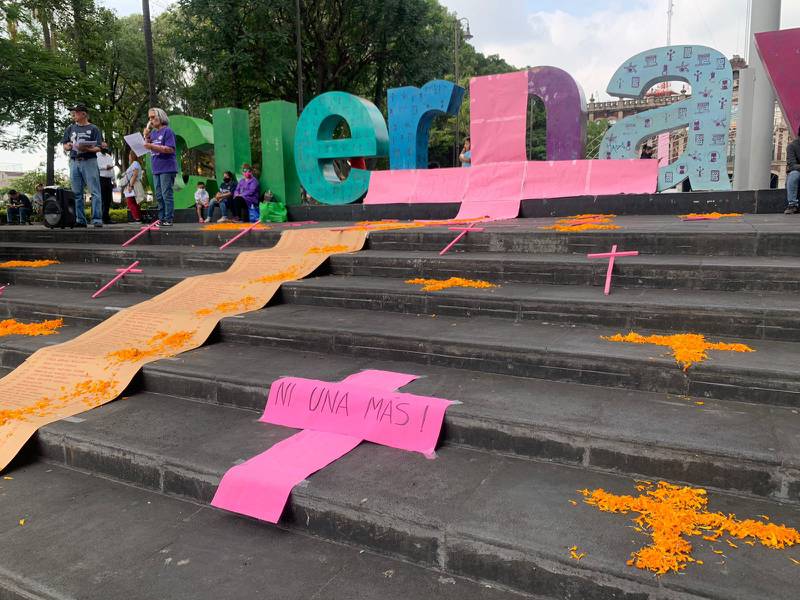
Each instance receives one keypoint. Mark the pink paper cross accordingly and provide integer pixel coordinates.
(464, 231)
(240, 234)
(611, 256)
(120, 274)
(334, 418)
(152, 227)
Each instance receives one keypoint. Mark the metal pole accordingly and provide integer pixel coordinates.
(754, 130)
(456, 146)
(148, 48)
(299, 60)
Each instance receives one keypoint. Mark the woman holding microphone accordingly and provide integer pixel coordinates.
(160, 140)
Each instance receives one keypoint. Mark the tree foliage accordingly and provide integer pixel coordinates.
(217, 53)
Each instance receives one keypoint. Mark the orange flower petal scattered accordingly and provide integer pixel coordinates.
(687, 348)
(242, 304)
(328, 249)
(713, 215)
(573, 552)
(232, 226)
(435, 285)
(586, 222)
(287, 275)
(92, 392)
(32, 264)
(670, 513)
(14, 327)
(162, 344)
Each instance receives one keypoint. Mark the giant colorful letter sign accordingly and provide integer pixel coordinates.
(411, 112)
(315, 148)
(231, 140)
(780, 53)
(499, 112)
(706, 113)
(190, 134)
(278, 171)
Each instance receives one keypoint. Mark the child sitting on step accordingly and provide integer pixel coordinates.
(201, 201)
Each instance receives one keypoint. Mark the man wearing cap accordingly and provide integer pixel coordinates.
(82, 141)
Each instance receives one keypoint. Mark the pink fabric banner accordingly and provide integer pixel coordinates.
(260, 487)
(498, 116)
(495, 191)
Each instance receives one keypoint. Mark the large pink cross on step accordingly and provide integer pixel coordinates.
(611, 256)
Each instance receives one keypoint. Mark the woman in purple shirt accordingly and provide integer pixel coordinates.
(160, 140)
(246, 194)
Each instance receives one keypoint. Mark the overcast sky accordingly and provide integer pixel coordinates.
(587, 38)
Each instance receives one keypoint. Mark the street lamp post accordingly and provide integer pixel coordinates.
(299, 57)
(457, 44)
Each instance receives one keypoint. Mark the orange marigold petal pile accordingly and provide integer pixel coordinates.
(669, 513)
(92, 392)
(286, 275)
(687, 348)
(162, 344)
(713, 215)
(328, 249)
(434, 285)
(224, 307)
(232, 226)
(585, 222)
(31, 264)
(14, 327)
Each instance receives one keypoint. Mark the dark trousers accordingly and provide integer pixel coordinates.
(18, 215)
(238, 208)
(106, 189)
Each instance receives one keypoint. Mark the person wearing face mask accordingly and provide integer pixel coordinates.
(222, 198)
(245, 195)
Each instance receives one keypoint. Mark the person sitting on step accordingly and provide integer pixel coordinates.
(246, 194)
(792, 174)
(222, 198)
(201, 200)
(19, 208)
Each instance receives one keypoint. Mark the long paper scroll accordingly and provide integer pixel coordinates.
(94, 368)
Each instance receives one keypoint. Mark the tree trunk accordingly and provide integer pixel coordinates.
(77, 17)
(148, 47)
(50, 108)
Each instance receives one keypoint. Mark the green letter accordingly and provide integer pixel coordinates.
(190, 134)
(231, 141)
(278, 172)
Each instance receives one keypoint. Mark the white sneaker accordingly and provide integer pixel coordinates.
(208, 220)
(223, 220)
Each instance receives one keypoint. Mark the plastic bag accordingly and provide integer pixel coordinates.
(273, 212)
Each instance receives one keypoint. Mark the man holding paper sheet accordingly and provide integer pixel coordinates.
(82, 142)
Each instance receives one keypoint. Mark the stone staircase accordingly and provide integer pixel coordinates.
(116, 499)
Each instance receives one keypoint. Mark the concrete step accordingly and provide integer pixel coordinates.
(698, 441)
(749, 235)
(181, 234)
(532, 350)
(470, 513)
(187, 257)
(94, 539)
(752, 315)
(92, 276)
(521, 348)
(717, 273)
